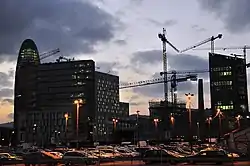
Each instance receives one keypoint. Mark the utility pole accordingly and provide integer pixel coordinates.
(137, 126)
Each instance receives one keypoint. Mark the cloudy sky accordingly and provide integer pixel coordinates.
(121, 36)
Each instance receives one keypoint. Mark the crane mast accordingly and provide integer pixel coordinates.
(165, 68)
(164, 40)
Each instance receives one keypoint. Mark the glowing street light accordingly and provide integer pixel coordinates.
(172, 120)
(219, 114)
(209, 120)
(78, 103)
(189, 97)
(66, 116)
(238, 118)
(156, 121)
(114, 123)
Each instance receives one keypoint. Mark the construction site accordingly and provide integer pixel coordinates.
(58, 83)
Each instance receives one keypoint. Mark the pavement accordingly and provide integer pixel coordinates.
(140, 163)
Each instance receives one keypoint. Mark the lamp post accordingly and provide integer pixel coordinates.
(156, 121)
(189, 97)
(209, 130)
(114, 123)
(219, 114)
(137, 126)
(114, 120)
(172, 121)
(66, 116)
(78, 103)
(34, 132)
(238, 120)
(198, 130)
(10, 140)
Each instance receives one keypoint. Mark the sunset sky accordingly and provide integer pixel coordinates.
(121, 35)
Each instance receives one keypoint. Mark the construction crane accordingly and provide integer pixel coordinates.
(156, 81)
(185, 72)
(211, 39)
(243, 48)
(162, 37)
(174, 83)
(48, 54)
(64, 58)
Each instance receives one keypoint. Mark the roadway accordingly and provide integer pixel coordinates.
(140, 163)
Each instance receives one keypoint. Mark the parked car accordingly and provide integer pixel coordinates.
(78, 157)
(209, 156)
(159, 156)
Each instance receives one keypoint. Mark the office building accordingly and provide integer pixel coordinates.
(59, 85)
(107, 104)
(46, 93)
(25, 87)
(228, 84)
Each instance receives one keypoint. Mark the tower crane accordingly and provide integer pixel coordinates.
(48, 54)
(211, 39)
(243, 48)
(156, 81)
(64, 58)
(162, 37)
(174, 83)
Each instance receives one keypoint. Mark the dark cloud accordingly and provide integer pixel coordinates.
(177, 62)
(166, 23)
(73, 26)
(120, 42)
(6, 92)
(234, 13)
(10, 116)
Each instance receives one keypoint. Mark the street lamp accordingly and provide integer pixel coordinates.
(189, 97)
(11, 135)
(114, 123)
(238, 120)
(66, 116)
(34, 132)
(137, 126)
(198, 130)
(209, 126)
(78, 103)
(172, 121)
(156, 123)
(219, 114)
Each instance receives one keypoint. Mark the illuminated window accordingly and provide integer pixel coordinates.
(225, 107)
(228, 73)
